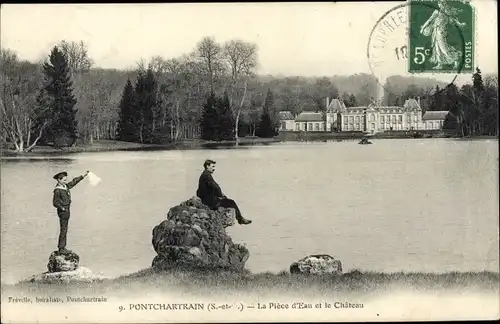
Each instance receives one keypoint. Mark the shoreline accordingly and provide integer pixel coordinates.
(117, 146)
(231, 282)
(196, 144)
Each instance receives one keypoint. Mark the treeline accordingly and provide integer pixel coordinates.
(167, 99)
(473, 108)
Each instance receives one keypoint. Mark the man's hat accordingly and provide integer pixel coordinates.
(60, 175)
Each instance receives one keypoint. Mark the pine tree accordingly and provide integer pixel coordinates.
(437, 99)
(57, 100)
(270, 109)
(209, 120)
(146, 94)
(352, 100)
(127, 130)
(225, 119)
(267, 127)
(477, 80)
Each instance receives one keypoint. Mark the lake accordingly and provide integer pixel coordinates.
(397, 205)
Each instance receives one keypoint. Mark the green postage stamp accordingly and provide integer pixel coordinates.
(441, 36)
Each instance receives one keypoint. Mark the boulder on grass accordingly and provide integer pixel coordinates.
(318, 265)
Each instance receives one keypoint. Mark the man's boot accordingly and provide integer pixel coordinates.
(242, 220)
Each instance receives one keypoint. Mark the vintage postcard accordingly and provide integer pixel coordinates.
(249, 162)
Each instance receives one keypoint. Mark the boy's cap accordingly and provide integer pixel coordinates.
(60, 175)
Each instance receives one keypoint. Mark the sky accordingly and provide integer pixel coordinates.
(307, 39)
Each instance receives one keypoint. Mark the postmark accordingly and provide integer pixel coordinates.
(390, 48)
(442, 36)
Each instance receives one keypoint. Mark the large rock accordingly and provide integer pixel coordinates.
(194, 237)
(63, 261)
(81, 274)
(317, 264)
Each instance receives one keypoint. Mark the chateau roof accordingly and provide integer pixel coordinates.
(411, 104)
(434, 115)
(309, 116)
(336, 105)
(285, 115)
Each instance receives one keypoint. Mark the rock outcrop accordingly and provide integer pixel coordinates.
(63, 261)
(81, 274)
(194, 237)
(317, 264)
(64, 267)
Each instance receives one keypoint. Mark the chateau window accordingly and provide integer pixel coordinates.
(382, 119)
(316, 127)
(310, 126)
(357, 119)
(400, 118)
(351, 119)
(297, 127)
(283, 125)
(345, 119)
(372, 118)
(393, 119)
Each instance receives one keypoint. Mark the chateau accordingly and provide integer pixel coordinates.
(374, 118)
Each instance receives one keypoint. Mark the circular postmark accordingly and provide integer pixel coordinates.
(422, 38)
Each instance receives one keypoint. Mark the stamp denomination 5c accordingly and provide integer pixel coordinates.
(441, 36)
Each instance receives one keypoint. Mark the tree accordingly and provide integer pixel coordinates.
(127, 129)
(269, 121)
(76, 54)
(241, 58)
(349, 99)
(254, 112)
(209, 53)
(146, 112)
(491, 106)
(19, 83)
(267, 127)
(57, 99)
(209, 120)
(436, 99)
(324, 88)
(271, 109)
(452, 102)
(225, 120)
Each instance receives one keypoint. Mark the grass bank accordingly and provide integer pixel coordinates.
(231, 283)
(111, 145)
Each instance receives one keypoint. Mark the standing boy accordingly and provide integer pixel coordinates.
(62, 201)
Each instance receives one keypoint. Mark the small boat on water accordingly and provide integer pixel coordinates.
(364, 141)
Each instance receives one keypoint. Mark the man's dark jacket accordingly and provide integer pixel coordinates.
(208, 190)
(62, 197)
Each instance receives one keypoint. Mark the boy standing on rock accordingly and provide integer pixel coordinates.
(62, 201)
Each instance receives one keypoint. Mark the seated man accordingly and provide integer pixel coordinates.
(211, 194)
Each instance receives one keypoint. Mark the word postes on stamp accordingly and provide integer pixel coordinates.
(441, 36)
